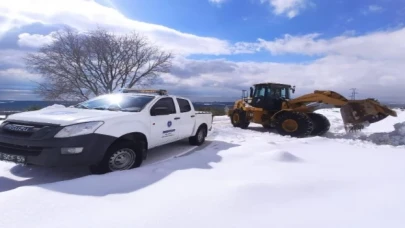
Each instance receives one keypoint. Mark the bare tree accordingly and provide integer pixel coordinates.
(77, 66)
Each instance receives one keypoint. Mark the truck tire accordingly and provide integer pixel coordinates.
(199, 137)
(121, 155)
(294, 124)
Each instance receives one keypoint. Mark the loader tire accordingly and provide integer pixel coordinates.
(321, 124)
(267, 126)
(238, 119)
(294, 124)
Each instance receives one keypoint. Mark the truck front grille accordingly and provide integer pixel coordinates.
(28, 130)
(20, 150)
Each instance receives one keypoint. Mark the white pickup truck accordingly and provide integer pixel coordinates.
(108, 133)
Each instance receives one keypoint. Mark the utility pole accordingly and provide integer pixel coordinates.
(354, 92)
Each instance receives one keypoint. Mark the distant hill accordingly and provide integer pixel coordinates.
(24, 105)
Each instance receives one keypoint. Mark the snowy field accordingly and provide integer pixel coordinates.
(240, 178)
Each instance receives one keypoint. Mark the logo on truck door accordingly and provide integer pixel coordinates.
(168, 133)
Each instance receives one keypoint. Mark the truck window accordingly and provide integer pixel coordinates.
(123, 101)
(166, 102)
(184, 105)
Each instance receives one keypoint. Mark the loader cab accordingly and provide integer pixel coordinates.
(270, 96)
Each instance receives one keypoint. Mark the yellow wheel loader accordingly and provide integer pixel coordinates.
(269, 104)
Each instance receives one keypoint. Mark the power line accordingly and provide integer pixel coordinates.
(354, 92)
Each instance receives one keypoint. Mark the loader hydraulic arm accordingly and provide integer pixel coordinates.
(355, 113)
(318, 96)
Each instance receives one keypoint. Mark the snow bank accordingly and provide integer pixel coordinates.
(337, 128)
(240, 178)
(279, 156)
(54, 106)
(388, 131)
(284, 156)
(221, 118)
(250, 182)
(395, 137)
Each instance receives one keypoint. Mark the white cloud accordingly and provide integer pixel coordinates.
(382, 45)
(217, 2)
(87, 14)
(374, 78)
(34, 40)
(373, 62)
(377, 78)
(10, 57)
(290, 8)
(374, 8)
(17, 76)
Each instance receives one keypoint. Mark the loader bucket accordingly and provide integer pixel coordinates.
(357, 114)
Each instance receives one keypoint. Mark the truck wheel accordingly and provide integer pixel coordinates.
(199, 137)
(121, 155)
(295, 124)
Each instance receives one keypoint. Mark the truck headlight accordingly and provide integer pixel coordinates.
(79, 129)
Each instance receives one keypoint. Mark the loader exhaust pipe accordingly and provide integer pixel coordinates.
(357, 114)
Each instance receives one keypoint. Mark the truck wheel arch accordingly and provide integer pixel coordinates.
(195, 140)
(204, 125)
(135, 137)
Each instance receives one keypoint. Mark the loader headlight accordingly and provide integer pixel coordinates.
(79, 129)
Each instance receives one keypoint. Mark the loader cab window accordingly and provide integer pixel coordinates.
(272, 92)
(269, 97)
(262, 96)
(280, 93)
(262, 92)
(283, 93)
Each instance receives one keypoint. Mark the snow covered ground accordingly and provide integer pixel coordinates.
(240, 178)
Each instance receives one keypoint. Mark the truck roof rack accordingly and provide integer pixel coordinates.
(153, 91)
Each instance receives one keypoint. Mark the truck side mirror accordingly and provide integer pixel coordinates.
(159, 111)
(293, 89)
(251, 92)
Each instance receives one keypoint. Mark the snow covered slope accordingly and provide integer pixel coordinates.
(242, 178)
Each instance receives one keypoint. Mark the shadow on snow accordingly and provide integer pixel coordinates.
(79, 181)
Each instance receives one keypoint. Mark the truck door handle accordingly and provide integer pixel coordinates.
(192, 116)
(177, 118)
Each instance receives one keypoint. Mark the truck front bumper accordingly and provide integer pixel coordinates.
(84, 150)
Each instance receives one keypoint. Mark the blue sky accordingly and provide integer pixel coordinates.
(237, 20)
(222, 46)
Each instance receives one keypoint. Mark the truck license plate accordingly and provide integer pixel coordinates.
(12, 158)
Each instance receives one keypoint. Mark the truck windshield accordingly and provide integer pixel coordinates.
(117, 102)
